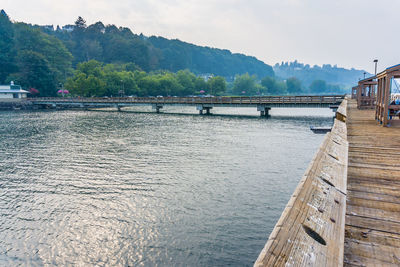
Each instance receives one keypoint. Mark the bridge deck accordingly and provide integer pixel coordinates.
(372, 225)
(312, 101)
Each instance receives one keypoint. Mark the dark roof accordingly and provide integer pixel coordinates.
(367, 79)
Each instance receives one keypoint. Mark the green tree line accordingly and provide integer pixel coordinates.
(94, 78)
(31, 57)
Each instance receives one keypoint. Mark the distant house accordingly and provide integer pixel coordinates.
(47, 27)
(12, 91)
(68, 28)
(206, 76)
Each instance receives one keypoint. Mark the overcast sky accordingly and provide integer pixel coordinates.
(349, 33)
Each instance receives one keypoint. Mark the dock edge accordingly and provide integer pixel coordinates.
(311, 228)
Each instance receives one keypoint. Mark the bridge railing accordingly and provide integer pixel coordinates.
(327, 99)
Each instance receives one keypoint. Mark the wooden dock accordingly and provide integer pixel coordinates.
(346, 209)
(310, 231)
(372, 225)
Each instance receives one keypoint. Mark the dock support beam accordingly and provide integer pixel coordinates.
(264, 111)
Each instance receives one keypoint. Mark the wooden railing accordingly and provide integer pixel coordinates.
(310, 231)
(331, 99)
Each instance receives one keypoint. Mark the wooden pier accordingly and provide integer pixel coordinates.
(310, 231)
(346, 209)
(372, 231)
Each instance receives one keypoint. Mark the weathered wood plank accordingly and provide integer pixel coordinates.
(310, 230)
(372, 236)
(370, 254)
(373, 200)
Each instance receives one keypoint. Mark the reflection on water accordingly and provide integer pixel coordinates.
(145, 189)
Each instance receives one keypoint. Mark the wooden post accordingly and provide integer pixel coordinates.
(386, 100)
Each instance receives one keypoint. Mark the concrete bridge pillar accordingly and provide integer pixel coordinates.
(264, 111)
(157, 107)
(201, 108)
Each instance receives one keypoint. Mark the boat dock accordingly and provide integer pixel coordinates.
(346, 209)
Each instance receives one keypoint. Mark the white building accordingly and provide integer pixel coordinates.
(12, 91)
(68, 28)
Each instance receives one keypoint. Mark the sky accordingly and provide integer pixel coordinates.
(347, 33)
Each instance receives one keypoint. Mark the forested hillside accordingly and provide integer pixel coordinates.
(31, 57)
(177, 55)
(106, 60)
(307, 74)
(110, 44)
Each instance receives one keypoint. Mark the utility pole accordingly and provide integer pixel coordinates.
(376, 63)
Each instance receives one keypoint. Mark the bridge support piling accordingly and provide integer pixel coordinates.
(264, 111)
(157, 107)
(201, 108)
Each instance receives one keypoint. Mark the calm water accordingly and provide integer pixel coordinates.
(143, 189)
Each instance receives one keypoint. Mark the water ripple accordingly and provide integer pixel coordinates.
(141, 189)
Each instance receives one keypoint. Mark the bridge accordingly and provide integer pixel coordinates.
(262, 103)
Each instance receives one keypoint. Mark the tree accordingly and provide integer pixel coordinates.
(318, 86)
(216, 85)
(86, 85)
(200, 85)
(34, 71)
(293, 85)
(187, 80)
(6, 45)
(47, 51)
(169, 85)
(80, 23)
(246, 83)
(268, 83)
(94, 86)
(273, 86)
(93, 67)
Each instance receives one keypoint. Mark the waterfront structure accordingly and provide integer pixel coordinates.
(202, 104)
(366, 93)
(310, 231)
(384, 110)
(345, 210)
(372, 225)
(12, 91)
(354, 92)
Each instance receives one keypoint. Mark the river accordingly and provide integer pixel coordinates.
(109, 188)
